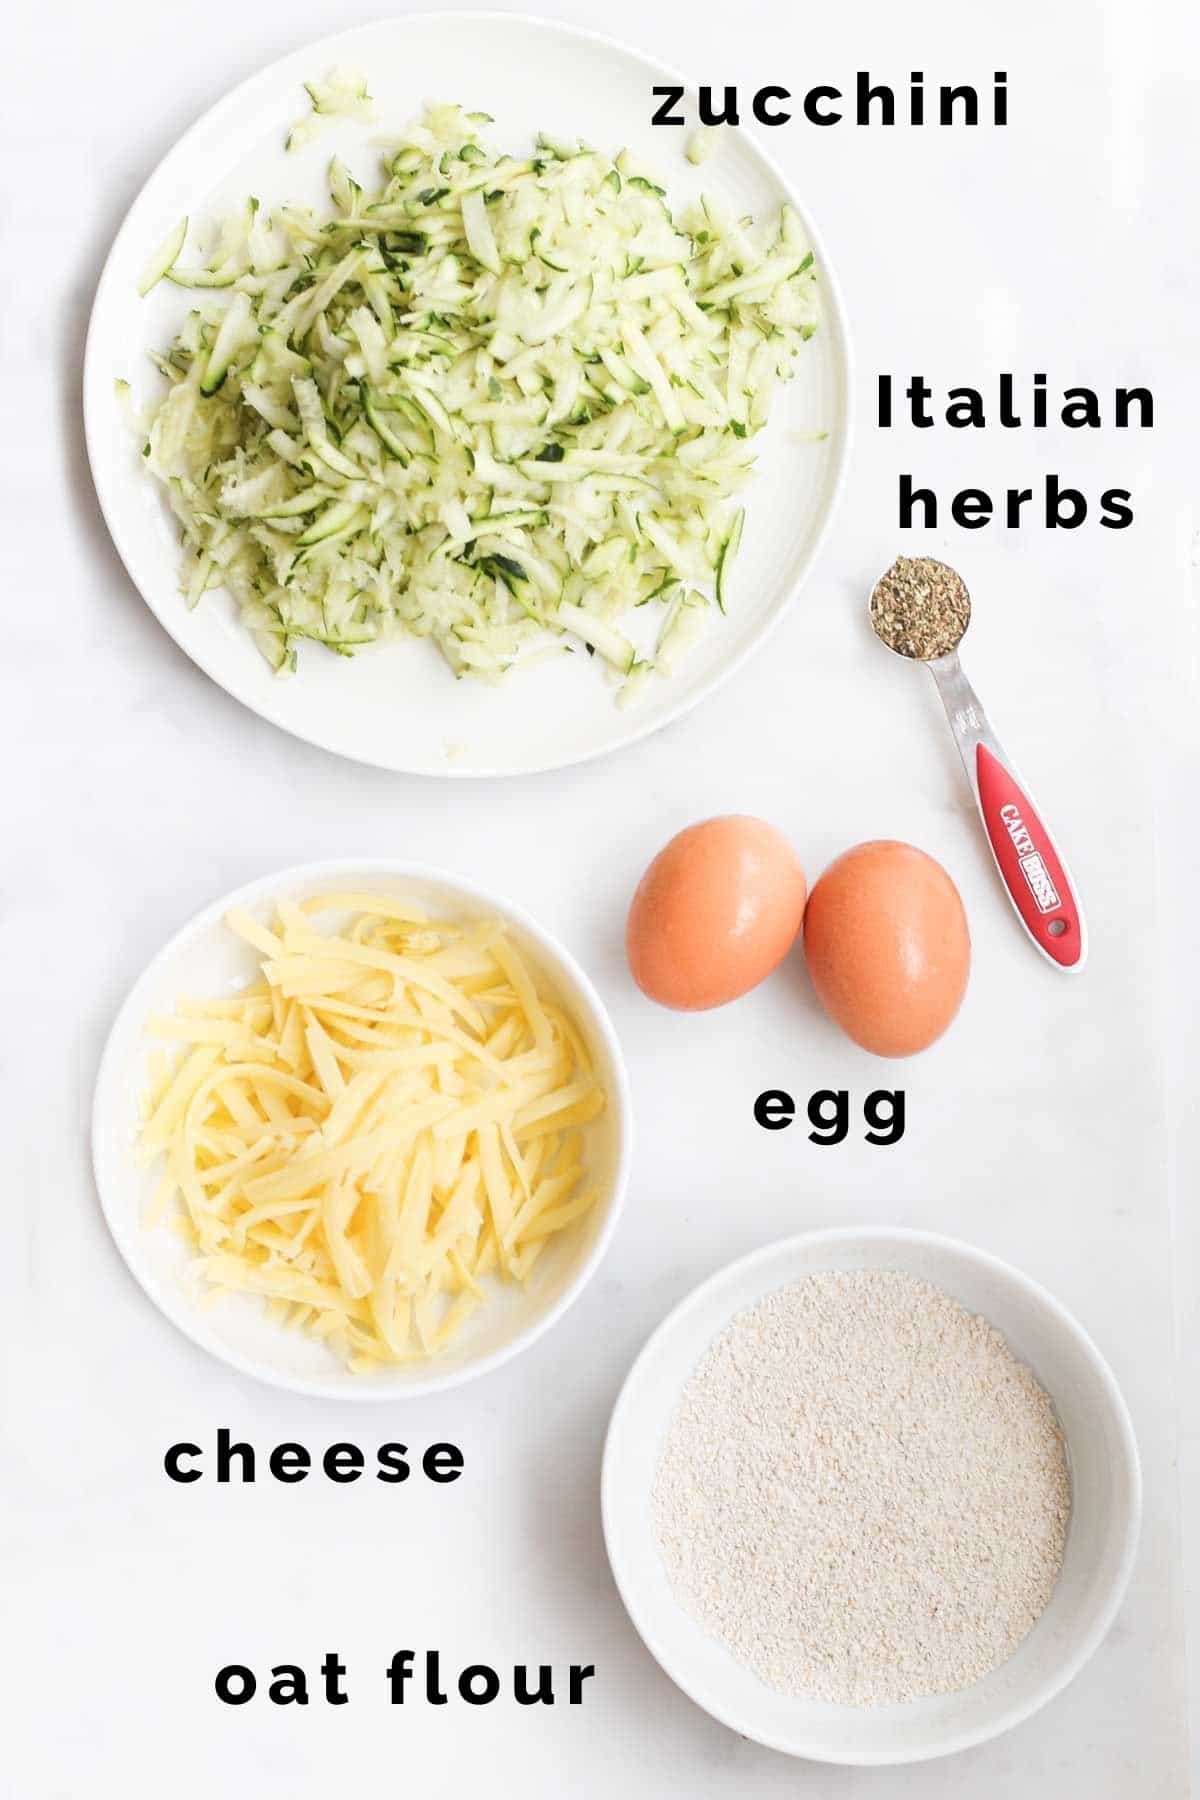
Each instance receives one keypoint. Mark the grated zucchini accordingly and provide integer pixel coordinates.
(500, 403)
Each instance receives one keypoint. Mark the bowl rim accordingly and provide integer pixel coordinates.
(126, 1229)
(910, 1239)
(242, 687)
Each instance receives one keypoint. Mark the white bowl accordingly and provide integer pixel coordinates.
(206, 958)
(398, 705)
(1101, 1540)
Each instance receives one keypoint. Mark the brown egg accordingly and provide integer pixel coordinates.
(716, 911)
(887, 946)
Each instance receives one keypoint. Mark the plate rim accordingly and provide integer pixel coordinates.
(125, 1230)
(95, 380)
(784, 1249)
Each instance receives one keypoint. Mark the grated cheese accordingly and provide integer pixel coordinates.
(387, 1120)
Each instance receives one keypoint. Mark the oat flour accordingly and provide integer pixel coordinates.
(863, 1494)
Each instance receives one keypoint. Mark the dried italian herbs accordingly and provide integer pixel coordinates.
(920, 608)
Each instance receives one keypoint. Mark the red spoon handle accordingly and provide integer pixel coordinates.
(1029, 865)
(1032, 870)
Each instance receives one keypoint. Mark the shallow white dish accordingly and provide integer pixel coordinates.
(398, 706)
(205, 958)
(1101, 1541)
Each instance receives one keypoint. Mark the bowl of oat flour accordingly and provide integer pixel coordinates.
(871, 1496)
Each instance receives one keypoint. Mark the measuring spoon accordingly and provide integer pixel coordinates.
(1030, 866)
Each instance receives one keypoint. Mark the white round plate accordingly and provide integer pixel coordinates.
(398, 706)
(205, 958)
(1101, 1540)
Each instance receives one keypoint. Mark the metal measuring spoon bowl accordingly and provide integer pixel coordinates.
(920, 609)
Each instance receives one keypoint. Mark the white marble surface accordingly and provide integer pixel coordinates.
(1053, 1126)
